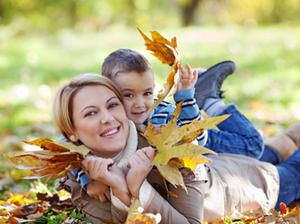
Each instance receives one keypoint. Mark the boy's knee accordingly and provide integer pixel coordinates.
(256, 147)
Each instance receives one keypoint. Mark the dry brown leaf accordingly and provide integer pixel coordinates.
(173, 145)
(166, 51)
(52, 161)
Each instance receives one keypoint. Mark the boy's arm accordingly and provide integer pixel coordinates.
(81, 178)
(189, 111)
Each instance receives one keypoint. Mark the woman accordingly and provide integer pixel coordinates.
(89, 111)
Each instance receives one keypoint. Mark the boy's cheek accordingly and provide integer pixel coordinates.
(127, 107)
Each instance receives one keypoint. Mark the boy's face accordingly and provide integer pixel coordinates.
(137, 90)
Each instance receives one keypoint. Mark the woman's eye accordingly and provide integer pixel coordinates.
(91, 113)
(113, 105)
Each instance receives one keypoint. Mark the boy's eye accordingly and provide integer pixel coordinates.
(128, 95)
(149, 93)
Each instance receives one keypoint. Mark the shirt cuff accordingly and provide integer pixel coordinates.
(184, 95)
(118, 203)
(146, 194)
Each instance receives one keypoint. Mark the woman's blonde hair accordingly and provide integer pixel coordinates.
(63, 102)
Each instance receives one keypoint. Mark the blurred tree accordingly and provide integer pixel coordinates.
(1, 8)
(94, 15)
(188, 9)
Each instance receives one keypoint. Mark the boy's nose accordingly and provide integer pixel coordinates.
(139, 102)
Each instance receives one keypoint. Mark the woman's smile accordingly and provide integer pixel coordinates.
(110, 132)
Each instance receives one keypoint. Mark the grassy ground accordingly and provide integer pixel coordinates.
(32, 67)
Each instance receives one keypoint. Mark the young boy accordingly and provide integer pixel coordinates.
(134, 76)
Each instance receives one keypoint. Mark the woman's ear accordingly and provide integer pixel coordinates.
(73, 138)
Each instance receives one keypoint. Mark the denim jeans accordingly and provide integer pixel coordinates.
(235, 135)
(289, 177)
(271, 156)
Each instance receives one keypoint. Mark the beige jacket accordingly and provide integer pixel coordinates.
(226, 186)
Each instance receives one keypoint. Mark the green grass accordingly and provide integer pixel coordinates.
(265, 84)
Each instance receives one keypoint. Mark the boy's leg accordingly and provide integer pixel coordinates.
(210, 81)
(289, 179)
(286, 143)
(236, 134)
(271, 156)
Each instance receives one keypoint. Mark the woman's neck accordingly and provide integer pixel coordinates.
(115, 156)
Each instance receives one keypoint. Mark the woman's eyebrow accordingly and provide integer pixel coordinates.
(91, 106)
(111, 98)
(87, 107)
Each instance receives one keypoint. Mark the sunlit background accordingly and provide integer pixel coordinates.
(46, 42)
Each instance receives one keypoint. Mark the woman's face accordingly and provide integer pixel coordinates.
(100, 120)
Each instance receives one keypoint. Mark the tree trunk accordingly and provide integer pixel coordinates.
(72, 11)
(131, 14)
(188, 11)
(1, 9)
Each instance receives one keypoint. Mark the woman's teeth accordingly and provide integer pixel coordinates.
(113, 131)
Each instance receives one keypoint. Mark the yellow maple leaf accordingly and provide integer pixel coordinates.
(166, 51)
(174, 147)
(136, 215)
(52, 161)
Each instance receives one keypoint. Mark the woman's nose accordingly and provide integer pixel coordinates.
(106, 117)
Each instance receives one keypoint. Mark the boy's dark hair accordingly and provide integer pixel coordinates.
(124, 60)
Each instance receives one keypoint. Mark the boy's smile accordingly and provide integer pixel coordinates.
(137, 91)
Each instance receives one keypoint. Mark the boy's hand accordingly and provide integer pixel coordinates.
(99, 191)
(187, 80)
(140, 165)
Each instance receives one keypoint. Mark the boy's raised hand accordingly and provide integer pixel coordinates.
(187, 79)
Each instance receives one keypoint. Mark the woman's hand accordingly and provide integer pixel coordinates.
(140, 165)
(187, 79)
(98, 169)
(98, 190)
(108, 173)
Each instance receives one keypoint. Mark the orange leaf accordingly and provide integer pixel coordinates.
(166, 51)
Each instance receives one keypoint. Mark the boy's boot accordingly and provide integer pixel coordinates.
(210, 81)
(286, 143)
